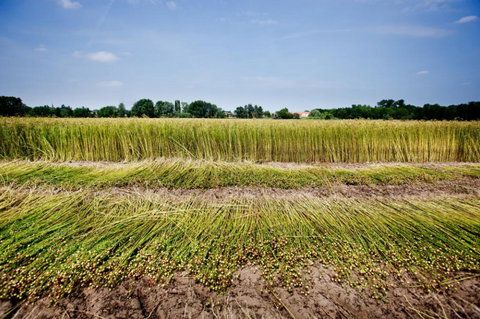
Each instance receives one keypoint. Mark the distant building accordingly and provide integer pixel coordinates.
(301, 114)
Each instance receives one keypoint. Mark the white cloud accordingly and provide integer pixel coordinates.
(423, 72)
(171, 5)
(466, 83)
(264, 22)
(467, 19)
(69, 4)
(419, 5)
(410, 30)
(110, 84)
(102, 56)
(41, 48)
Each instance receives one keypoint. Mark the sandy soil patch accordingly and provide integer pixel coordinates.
(248, 297)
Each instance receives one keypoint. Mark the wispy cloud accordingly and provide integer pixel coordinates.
(428, 5)
(253, 14)
(312, 32)
(466, 83)
(69, 4)
(110, 84)
(410, 30)
(100, 56)
(467, 19)
(248, 17)
(424, 72)
(41, 48)
(393, 30)
(171, 5)
(100, 22)
(264, 22)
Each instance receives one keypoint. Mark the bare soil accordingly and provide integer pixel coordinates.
(249, 298)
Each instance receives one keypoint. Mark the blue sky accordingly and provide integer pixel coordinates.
(300, 54)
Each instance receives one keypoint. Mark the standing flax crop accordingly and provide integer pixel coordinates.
(352, 141)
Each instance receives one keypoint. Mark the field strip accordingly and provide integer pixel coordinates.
(349, 141)
(177, 173)
(281, 165)
(56, 242)
(463, 188)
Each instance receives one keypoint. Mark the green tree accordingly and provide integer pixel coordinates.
(257, 112)
(164, 109)
(122, 112)
(12, 106)
(399, 103)
(184, 107)
(108, 111)
(82, 112)
(315, 114)
(202, 109)
(327, 116)
(241, 113)
(143, 107)
(43, 111)
(386, 103)
(284, 114)
(65, 111)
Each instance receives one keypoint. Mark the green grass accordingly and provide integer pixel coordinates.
(53, 242)
(239, 140)
(175, 173)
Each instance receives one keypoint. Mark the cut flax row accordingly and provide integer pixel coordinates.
(54, 242)
(187, 174)
(352, 141)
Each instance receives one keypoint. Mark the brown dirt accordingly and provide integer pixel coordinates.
(248, 298)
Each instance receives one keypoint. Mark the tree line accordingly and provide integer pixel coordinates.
(385, 109)
(13, 106)
(391, 109)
